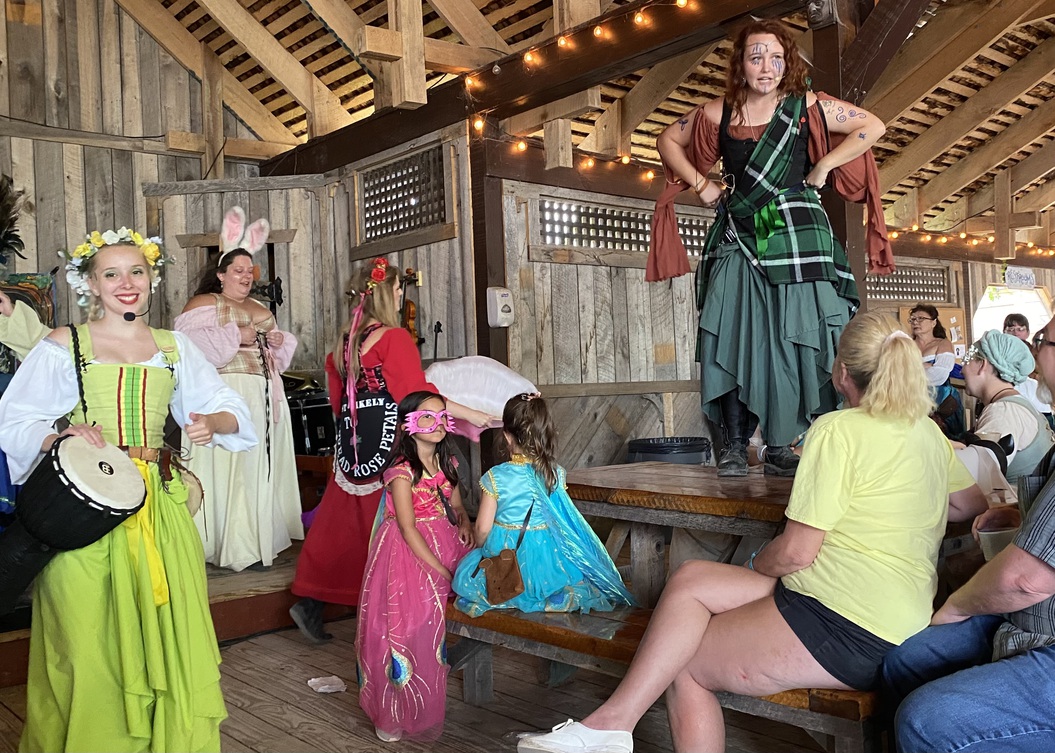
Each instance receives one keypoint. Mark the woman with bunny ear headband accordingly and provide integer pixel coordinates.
(252, 503)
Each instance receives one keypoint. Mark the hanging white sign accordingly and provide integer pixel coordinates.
(1022, 278)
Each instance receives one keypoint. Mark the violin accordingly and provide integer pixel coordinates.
(410, 309)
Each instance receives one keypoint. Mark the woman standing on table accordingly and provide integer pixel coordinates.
(774, 286)
(372, 353)
(252, 507)
(122, 654)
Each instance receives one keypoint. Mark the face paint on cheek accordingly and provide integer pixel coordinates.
(778, 67)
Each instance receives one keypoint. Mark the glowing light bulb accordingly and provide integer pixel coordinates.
(529, 58)
(625, 159)
(1029, 244)
(597, 31)
(639, 18)
(650, 175)
(943, 239)
(963, 235)
(588, 162)
(974, 242)
(562, 41)
(681, 3)
(926, 238)
(991, 239)
(894, 234)
(469, 83)
(915, 227)
(478, 124)
(521, 146)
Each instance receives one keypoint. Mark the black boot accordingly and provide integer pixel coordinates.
(307, 613)
(781, 461)
(732, 460)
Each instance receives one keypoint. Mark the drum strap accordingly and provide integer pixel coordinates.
(79, 366)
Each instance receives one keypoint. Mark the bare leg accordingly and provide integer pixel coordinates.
(675, 633)
(750, 651)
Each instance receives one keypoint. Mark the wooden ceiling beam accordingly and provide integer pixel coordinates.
(1042, 12)
(466, 20)
(624, 47)
(195, 143)
(185, 49)
(881, 35)
(569, 107)
(1038, 200)
(611, 132)
(948, 42)
(403, 83)
(985, 158)
(1019, 78)
(325, 112)
(519, 87)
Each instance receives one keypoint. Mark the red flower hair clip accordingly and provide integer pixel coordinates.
(378, 273)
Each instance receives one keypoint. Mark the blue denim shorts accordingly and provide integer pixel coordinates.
(848, 652)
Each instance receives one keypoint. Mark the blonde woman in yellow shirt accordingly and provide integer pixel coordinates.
(852, 576)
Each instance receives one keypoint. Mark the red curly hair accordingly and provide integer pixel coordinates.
(795, 74)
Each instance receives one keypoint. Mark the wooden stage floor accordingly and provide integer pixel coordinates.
(272, 708)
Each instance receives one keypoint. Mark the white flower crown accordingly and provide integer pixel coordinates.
(77, 260)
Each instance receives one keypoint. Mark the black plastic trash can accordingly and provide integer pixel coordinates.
(682, 450)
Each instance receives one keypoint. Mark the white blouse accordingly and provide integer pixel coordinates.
(44, 389)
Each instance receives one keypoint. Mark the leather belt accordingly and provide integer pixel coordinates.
(153, 455)
(146, 454)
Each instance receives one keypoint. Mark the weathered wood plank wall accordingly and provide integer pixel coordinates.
(316, 266)
(85, 66)
(587, 323)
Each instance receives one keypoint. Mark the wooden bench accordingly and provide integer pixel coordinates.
(842, 721)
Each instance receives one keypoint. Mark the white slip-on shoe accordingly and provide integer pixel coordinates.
(385, 737)
(572, 737)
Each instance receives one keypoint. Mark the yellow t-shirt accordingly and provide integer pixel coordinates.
(880, 489)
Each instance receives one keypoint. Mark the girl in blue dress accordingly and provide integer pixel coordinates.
(564, 566)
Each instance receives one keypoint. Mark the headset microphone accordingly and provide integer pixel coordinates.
(130, 317)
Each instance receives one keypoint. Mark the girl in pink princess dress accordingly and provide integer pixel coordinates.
(420, 534)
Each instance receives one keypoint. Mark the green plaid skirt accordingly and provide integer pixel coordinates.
(775, 344)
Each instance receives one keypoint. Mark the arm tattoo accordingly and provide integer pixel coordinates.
(683, 122)
(860, 135)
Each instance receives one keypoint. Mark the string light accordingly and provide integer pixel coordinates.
(681, 3)
(598, 31)
(1026, 248)
(650, 175)
(625, 159)
(469, 83)
(915, 227)
(529, 57)
(521, 146)
(478, 124)
(639, 18)
(562, 41)
(589, 162)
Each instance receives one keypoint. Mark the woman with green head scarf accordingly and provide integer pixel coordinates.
(991, 369)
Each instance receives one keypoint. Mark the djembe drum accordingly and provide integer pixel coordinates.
(77, 494)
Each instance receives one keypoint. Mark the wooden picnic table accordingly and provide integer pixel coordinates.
(648, 497)
(645, 498)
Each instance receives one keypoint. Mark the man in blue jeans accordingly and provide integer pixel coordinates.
(982, 677)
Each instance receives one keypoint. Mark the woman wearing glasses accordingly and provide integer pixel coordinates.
(938, 362)
(774, 285)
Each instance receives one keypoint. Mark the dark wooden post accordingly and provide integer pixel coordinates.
(829, 44)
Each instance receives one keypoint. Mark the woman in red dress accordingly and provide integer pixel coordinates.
(331, 564)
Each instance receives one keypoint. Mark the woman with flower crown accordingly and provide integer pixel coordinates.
(371, 349)
(123, 655)
(252, 502)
